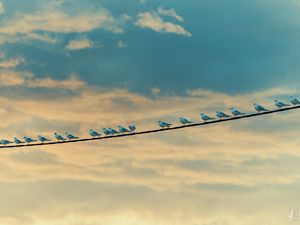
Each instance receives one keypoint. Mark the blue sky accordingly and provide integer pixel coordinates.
(228, 46)
(73, 65)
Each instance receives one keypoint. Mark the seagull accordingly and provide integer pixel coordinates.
(18, 141)
(184, 121)
(29, 140)
(280, 104)
(222, 115)
(123, 129)
(132, 127)
(59, 137)
(259, 108)
(106, 131)
(112, 131)
(94, 133)
(163, 124)
(70, 136)
(206, 117)
(43, 139)
(236, 112)
(294, 100)
(5, 142)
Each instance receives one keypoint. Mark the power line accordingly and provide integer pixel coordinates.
(154, 130)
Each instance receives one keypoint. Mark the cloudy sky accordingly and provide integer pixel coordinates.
(80, 64)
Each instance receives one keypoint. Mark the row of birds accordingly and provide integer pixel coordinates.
(131, 128)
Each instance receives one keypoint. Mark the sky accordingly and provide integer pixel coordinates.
(73, 65)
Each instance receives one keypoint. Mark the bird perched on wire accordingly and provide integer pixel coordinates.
(70, 136)
(164, 124)
(259, 108)
(94, 133)
(5, 142)
(205, 117)
(112, 131)
(18, 141)
(132, 127)
(221, 115)
(59, 137)
(123, 129)
(29, 140)
(294, 100)
(43, 139)
(106, 131)
(184, 121)
(234, 111)
(280, 104)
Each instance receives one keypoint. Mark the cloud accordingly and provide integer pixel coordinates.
(170, 13)
(152, 20)
(60, 22)
(122, 44)
(80, 43)
(2, 9)
(11, 63)
(11, 78)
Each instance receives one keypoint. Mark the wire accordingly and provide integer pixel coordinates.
(154, 130)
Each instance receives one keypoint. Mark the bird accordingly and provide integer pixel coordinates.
(106, 131)
(236, 112)
(112, 131)
(18, 141)
(94, 133)
(59, 137)
(184, 121)
(123, 129)
(132, 127)
(221, 115)
(294, 100)
(5, 142)
(259, 108)
(43, 139)
(163, 124)
(280, 104)
(70, 136)
(205, 117)
(29, 140)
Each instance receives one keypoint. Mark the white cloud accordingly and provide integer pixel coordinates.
(2, 9)
(152, 20)
(170, 13)
(11, 63)
(121, 44)
(10, 78)
(80, 43)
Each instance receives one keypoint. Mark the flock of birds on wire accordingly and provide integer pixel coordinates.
(131, 128)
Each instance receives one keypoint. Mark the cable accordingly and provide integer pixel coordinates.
(154, 130)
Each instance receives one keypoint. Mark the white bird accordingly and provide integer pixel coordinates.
(70, 136)
(94, 133)
(43, 139)
(5, 142)
(280, 104)
(294, 100)
(184, 121)
(29, 140)
(259, 108)
(132, 127)
(205, 117)
(236, 112)
(18, 141)
(123, 129)
(106, 131)
(163, 124)
(59, 137)
(221, 115)
(112, 131)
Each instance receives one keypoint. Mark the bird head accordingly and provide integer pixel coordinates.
(202, 114)
(254, 104)
(276, 100)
